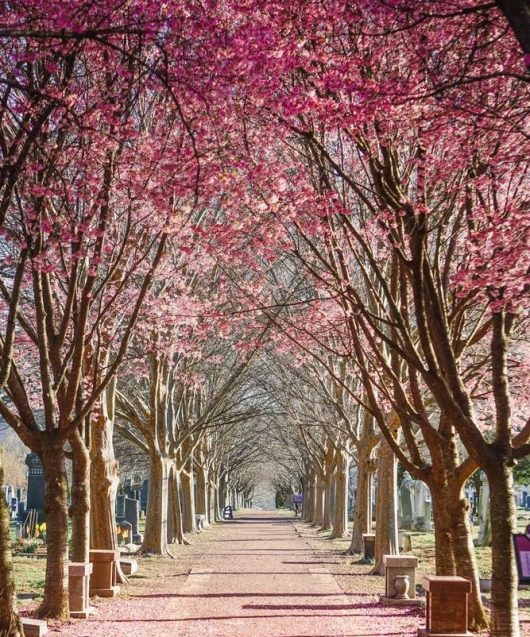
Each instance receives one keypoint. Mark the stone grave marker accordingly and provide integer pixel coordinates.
(422, 507)
(132, 516)
(36, 484)
(120, 506)
(406, 502)
(143, 495)
(484, 534)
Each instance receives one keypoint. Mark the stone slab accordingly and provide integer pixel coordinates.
(128, 566)
(394, 601)
(79, 569)
(90, 611)
(105, 592)
(424, 632)
(435, 583)
(400, 561)
(103, 555)
(34, 627)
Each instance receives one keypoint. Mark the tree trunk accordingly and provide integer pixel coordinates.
(188, 492)
(320, 501)
(340, 517)
(104, 481)
(221, 495)
(328, 501)
(386, 525)
(103, 485)
(306, 497)
(155, 538)
(504, 608)
(202, 493)
(362, 522)
(310, 498)
(212, 500)
(80, 507)
(443, 532)
(464, 554)
(174, 526)
(10, 625)
(55, 603)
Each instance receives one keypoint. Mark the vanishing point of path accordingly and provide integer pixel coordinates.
(252, 577)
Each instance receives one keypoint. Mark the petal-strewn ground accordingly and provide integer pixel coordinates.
(255, 576)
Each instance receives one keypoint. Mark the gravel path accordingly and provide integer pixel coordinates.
(253, 577)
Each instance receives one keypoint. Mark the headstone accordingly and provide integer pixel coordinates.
(407, 542)
(143, 495)
(406, 502)
(36, 486)
(484, 534)
(125, 534)
(14, 508)
(127, 486)
(8, 493)
(422, 507)
(128, 565)
(120, 506)
(447, 607)
(132, 516)
(34, 627)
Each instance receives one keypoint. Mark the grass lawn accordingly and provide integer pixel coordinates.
(29, 574)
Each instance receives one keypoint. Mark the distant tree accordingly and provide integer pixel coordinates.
(521, 471)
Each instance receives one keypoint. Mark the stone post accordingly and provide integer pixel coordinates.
(447, 607)
(78, 587)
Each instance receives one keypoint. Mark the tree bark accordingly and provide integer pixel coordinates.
(443, 532)
(464, 553)
(504, 612)
(10, 625)
(80, 507)
(320, 501)
(202, 493)
(156, 531)
(327, 505)
(212, 502)
(104, 482)
(362, 522)
(221, 495)
(386, 519)
(310, 498)
(340, 517)
(55, 603)
(174, 527)
(188, 501)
